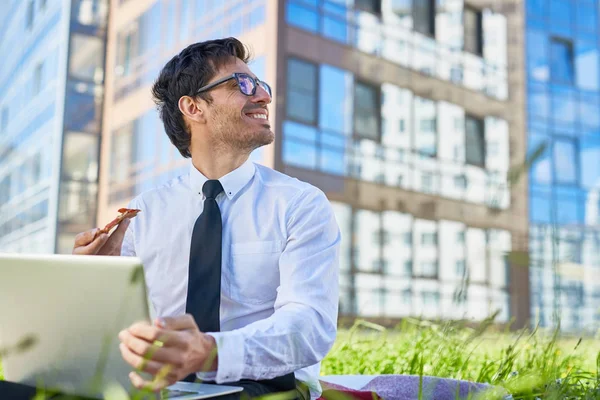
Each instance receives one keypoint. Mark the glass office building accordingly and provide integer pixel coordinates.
(564, 121)
(405, 113)
(398, 110)
(51, 92)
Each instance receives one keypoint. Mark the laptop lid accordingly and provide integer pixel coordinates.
(60, 317)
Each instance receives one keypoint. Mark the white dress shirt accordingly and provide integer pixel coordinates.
(280, 261)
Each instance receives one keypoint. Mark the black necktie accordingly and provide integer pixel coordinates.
(204, 282)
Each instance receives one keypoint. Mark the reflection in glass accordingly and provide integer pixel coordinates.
(568, 210)
(561, 60)
(565, 162)
(77, 203)
(299, 154)
(537, 55)
(90, 12)
(474, 141)
(473, 22)
(366, 111)
(561, 16)
(424, 17)
(586, 65)
(335, 99)
(540, 209)
(302, 16)
(82, 107)
(302, 91)
(86, 60)
(589, 104)
(80, 157)
(587, 16)
(299, 131)
(333, 161)
(589, 159)
(563, 106)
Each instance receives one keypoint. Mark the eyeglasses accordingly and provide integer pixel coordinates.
(246, 83)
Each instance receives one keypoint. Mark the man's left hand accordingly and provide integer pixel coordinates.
(169, 350)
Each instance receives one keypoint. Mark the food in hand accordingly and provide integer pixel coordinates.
(124, 214)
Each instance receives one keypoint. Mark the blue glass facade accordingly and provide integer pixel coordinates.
(33, 51)
(564, 117)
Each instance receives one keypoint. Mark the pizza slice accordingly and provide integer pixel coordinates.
(124, 213)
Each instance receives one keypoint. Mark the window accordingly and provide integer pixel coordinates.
(424, 16)
(429, 239)
(473, 22)
(30, 14)
(366, 111)
(86, 59)
(402, 126)
(460, 237)
(461, 268)
(3, 119)
(408, 266)
(37, 79)
(565, 162)
(373, 6)
(5, 190)
(127, 49)
(302, 91)
(561, 61)
(429, 268)
(460, 181)
(474, 141)
(431, 298)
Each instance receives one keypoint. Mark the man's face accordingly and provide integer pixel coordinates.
(234, 119)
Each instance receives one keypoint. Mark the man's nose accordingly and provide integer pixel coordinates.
(261, 96)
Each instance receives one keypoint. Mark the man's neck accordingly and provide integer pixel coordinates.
(217, 165)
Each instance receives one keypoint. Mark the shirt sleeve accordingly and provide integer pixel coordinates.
(303, 326)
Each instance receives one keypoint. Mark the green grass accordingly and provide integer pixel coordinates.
(528, 365)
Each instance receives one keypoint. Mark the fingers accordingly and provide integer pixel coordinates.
(119, 233)
(151, 350)
(155, 385)
(85, 238)
(150, 333)
(144, 364)
(178, 323)
(86, 245)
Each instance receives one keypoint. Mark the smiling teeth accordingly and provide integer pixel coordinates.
(258, 116)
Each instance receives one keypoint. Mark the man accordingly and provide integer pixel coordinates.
(269, 241)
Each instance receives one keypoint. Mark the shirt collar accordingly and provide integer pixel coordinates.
(232, 183)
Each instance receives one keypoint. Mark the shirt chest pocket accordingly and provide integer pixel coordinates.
(254, 268)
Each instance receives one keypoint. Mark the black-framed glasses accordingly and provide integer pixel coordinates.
(246, 83)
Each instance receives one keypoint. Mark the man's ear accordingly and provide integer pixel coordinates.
(192, 109)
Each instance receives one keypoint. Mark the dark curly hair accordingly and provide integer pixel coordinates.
(183, 75)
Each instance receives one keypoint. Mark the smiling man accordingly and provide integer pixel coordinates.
(241, 261)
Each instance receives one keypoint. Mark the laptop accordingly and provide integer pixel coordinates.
(59, 320)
